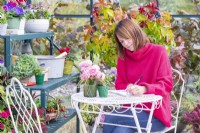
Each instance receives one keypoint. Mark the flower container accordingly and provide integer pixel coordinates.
(90, 90)
(39, 78)
(68, 67)
(16, 23)
(36, 25)
(103, 90)
(3, 28)
(55, 65)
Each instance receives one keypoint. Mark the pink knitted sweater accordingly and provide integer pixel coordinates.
(152, 62)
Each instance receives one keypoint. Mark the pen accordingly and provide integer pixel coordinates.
(138, 80)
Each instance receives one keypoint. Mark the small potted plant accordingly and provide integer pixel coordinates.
(15, 11)
(54, 107)
(69, 60)
(3, 23)
(104, 85)
(24, 66)
(37, 19)
(39, 76)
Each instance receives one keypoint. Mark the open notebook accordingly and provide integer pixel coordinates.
(120, 92)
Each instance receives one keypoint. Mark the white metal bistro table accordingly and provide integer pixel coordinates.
(114, 101)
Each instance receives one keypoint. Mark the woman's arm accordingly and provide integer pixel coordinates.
(164, 82)
(121, 81)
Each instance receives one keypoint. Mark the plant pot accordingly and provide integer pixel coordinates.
(3, 28)
(68, 67)
(36, 25)
(103, 90)
(16, 23)
(90, 90)
(39, 79)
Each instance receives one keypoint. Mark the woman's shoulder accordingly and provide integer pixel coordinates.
(156, 47)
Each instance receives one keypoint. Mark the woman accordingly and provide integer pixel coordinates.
(142, 68)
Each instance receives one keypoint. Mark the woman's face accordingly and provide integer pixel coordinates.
(126, 43)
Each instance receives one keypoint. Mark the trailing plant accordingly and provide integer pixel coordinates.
(24, 66)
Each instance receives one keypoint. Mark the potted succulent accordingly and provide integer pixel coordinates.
(3, 23)
(37, 19)
(39, 76)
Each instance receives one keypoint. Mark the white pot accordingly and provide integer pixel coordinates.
(36, 25)
(3, 28)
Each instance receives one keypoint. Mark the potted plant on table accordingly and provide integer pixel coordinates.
(15, 11)
(90, 74)
(37, 19)
(3, 23)
(24, 66)
(54, 107)
(69, 60)
(39, 76)
(104, 85)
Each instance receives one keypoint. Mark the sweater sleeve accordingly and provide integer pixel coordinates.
(121, 82)
(164, 83)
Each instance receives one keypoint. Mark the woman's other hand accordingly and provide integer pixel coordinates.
(136, 89)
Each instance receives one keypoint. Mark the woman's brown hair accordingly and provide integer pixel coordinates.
(128, 29)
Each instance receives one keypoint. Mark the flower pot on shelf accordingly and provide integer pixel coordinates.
(90, 90)
(68, 67)
(36, 25)
(39, 79)
(16, 25)
(3, 28)
(103, 90)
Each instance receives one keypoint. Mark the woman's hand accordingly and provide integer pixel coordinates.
(136, 89)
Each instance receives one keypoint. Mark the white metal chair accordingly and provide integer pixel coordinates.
(178, 82)
(22, 107)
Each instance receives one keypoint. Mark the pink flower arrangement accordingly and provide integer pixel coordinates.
(90, 73)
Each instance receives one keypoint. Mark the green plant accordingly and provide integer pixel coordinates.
(155, 24)
(38, 13)
(24, 66)
(3, 19)
(5, 119)
(71, 57)
(100, 38)
(38, 71)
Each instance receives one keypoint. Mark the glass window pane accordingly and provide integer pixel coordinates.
(64, 7)
(127, 4)
(180, 6)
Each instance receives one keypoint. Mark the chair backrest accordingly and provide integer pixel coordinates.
(176, 97)
(22, 108)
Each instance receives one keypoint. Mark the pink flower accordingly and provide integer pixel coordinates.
(4, 115)
(8, 112)
(93, 70)
(13, 131)
(85, 75)
(85, 64)
(1, 126)
(103, 76)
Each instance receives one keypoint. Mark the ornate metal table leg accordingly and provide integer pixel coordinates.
(98, 119)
